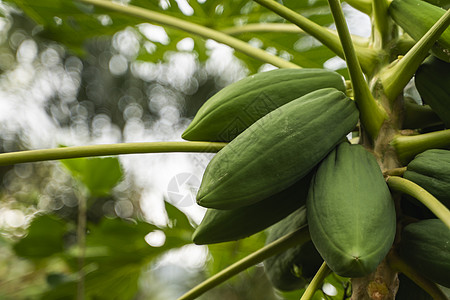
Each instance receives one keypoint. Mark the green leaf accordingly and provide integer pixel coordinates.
(116, 253)
(45, 237)
(98, 175)
(73, 23)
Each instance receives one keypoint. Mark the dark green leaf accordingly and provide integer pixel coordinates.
(44, 238)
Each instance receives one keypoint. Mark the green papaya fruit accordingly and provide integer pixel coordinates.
(408, 290)
(277, 150)
(416, 17)
(431, 170)
(350, 212)
(432, 80)
(425, 245)
(293, 268)
(220, 226)
(237, 106)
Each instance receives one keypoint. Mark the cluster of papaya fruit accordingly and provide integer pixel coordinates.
(288, 164)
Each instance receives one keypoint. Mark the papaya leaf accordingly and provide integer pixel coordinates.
(116, 252)
(73, 23)
(45, 238)
(98, 175)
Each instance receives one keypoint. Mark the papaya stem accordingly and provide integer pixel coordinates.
(106, 149)
(381, 22)
(364, 6)
(408, 187)
(299, 236)
(395, 77)
(394, 172)
(284, 28)
(398, 264)
(368, 57)
(323, 272)
(409, 146)
(196, 29)
(371, 113)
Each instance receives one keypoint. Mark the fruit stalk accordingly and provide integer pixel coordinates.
(408, 187)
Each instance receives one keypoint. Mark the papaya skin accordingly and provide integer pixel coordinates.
(234, 108)
(351, 214)
(277, 150)
(425, 246)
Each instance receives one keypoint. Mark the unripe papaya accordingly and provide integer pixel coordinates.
(237, 106)
(433, 83)
(350, 212)
(431, 170)
(277, 150)
(425, 245)
(220, 226)
(293, 268)
(416, 17)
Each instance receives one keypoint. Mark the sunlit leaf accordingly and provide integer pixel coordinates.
(98, 175)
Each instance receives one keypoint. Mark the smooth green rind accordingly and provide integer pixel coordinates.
(237, 106)
(416, 17)
(293, 268)
(426, 246)
(350, 211)
(433, 83)
(431, 170)
(220, 226)
(277, 150)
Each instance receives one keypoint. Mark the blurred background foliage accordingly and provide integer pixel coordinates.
(73, 74)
